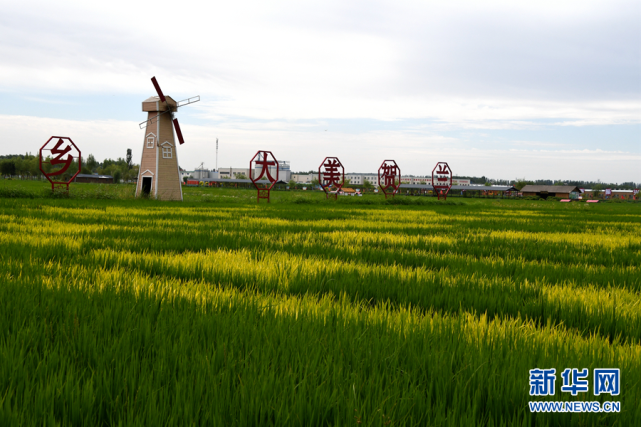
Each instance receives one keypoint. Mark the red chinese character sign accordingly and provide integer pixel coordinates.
(442, 179)
(263, 172)
(331, 176)
(60, 161)
(389, 178)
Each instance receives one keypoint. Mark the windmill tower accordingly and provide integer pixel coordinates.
(159, 175)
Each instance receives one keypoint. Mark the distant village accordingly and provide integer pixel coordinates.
(285, 175)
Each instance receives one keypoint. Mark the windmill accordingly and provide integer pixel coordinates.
(159, 175)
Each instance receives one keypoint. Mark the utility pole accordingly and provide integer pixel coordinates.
(216, 154)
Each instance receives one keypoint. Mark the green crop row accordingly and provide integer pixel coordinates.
(108, 346)
(150, 313)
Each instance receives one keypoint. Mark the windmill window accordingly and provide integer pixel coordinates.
(166, 153)
(150, 142)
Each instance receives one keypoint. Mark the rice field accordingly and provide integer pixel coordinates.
(218, 311)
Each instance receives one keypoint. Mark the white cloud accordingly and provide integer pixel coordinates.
(270, 72)
(415, 153)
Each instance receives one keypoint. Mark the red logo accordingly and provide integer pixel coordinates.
(57, 156)
(331, 176)
(389, 177)
(263, 161)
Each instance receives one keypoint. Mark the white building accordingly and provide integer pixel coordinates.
(284, 172)
(233, 173)
(199, 174)
(360, 178)
(428, 180)
(303, 178)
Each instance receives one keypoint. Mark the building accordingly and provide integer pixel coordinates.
(303, 178)
(587, 193)
(545, 191)
(623, 194)
(360, 178)
(233, 173)
(284, 172)
(94, 179)
(428, 180)
(372, 178)
(159, 175)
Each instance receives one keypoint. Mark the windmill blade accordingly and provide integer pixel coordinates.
(158, 90)
(188, 101)
(178, 132)
(151, 121)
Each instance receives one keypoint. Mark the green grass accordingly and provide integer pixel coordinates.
(219, 311)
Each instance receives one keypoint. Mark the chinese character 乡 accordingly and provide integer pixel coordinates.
(57, 160)
(574, 381)
(542, 382)
(331, 175)
(606, 381)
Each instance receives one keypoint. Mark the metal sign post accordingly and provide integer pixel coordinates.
(389, 178)
(332, 176)
(263, 160)
(61, 153)
(442, 179)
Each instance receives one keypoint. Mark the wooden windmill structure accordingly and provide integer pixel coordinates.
(159, 175)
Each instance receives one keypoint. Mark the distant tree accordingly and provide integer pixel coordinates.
(91, 163)
(292, 183)
(8, 167)
(520, 183)
(367, 185)
(132, 173)
(598, 187)
(488, 184)
(559, 183)
(241, 176)
(128, 158)
(34, 166)
(315, 182)
(117, 175)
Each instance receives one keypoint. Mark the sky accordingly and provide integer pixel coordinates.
(504, 89)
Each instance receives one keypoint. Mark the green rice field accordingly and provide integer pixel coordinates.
(306, 312)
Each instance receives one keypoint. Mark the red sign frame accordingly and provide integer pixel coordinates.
(393, 185)
(263, 193)
(58, 160)
(441, 185)
(326, 188)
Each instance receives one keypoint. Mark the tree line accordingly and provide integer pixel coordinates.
(28, 166)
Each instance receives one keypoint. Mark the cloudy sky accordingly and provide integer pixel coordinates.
(505, 89)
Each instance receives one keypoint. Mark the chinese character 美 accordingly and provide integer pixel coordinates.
(606, 381)
(575, 381)
(542, 382)
(331, 175)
